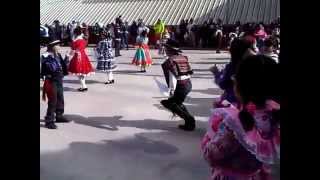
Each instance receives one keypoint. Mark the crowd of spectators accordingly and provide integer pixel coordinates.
(210, 34)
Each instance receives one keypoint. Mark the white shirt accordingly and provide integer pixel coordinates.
(172, 82)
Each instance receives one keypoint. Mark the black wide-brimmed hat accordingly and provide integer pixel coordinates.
(53, 43)
(172, 45)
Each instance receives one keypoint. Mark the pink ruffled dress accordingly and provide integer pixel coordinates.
(235, 154)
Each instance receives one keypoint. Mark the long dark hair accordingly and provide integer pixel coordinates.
(144, 33)
(77, 31)
(257, 80)
(237, 50)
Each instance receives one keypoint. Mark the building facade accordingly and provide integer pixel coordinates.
(171, 11)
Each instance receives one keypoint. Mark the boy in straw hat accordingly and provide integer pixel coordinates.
(53, 69)
(178, 66)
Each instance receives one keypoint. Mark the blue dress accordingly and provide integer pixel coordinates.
(105, 57)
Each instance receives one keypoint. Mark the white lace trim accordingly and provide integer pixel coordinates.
(78, 37)
(81, 74)
(239, 133)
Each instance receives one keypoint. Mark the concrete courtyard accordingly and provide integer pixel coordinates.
(121, 132)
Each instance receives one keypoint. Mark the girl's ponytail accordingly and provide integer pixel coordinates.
(275, 121)
(246, 120)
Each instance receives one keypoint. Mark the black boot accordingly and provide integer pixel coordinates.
(83, 89)
(182, 112)
(166, 104)
(187, 127)
(190, 123)
(50, 125)
(61, 119)
(109, 82)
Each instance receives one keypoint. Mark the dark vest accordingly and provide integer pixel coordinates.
(53, 68)
(178, 65)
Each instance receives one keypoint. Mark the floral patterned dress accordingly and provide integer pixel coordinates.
(235, 154)
(105, 57)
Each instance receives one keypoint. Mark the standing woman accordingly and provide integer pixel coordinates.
(261, 35)
(142, 57)
(80, 63)
(105, 57)
(164, 38)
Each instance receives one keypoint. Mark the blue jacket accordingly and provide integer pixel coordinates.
(223, 80)
(53, 68)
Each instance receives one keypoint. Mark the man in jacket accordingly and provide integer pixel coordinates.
(159, 28)
(178, 66)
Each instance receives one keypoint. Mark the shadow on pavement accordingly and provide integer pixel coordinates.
(136, 73)
(88, 81)
(147, 155)
(217, 59)
(66, 89)
(199, 106)
(196, 106)
(201, 70)
(210, 91)
(113, 123)
(157, 58)
(129, 63)
(127, 72)
(70, 89)
(152, 155)
(198, 51)
(209, 62)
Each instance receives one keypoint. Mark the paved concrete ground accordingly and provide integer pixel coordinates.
(121, 132)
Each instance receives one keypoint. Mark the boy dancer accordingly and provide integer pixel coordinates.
(53, 70)
(178, 66)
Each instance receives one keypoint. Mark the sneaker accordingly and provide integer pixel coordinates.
(83, 89)
(50, 125)
(61, 120)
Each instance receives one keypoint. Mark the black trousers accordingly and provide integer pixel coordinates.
(55, 102)
(175, 103)
(117, 47)
(181, 91)
(124, 41)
